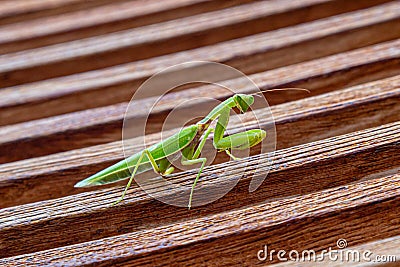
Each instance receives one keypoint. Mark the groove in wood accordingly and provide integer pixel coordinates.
(117, 84)
(116, 48)
(298, 122)
(234, 237)
(96, 126)
(297, 170)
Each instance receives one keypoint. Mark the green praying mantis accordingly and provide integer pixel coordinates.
(189, 141)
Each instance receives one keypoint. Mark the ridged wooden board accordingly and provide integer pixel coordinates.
(265, 51)
(113, 17)
(14, 11)
(76, 130)
(51, 176)
(339, 160)
(68, 70)
(23, 66)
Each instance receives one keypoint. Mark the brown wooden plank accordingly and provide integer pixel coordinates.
(332, 165)
(12, 8)
(252, 54)
(101, 125)
(116, 48)
(335, 174)
(385, 247)
(14, 11)
(101, 20)
(120, 250)
(297, 122)
(297, 170)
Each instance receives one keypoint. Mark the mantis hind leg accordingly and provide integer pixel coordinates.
(232, 156)
(165, 167)
(153, 164)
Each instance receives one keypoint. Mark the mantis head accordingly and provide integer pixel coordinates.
(243, 102)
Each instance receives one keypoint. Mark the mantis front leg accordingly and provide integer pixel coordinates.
(194, 160)
(237, 141)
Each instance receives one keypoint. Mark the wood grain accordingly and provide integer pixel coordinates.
(77, 130)
(253, 54)
(100, 20)
(69, 68)
(298, 170)
(298, 122)
(14, 11)
(126, 46)
(234, 237)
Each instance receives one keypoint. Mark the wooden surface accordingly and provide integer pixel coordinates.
(69, 68)
(268, 50)
(75, 130)
(30, 180)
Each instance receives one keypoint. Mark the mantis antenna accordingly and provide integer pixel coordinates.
(282, 89)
